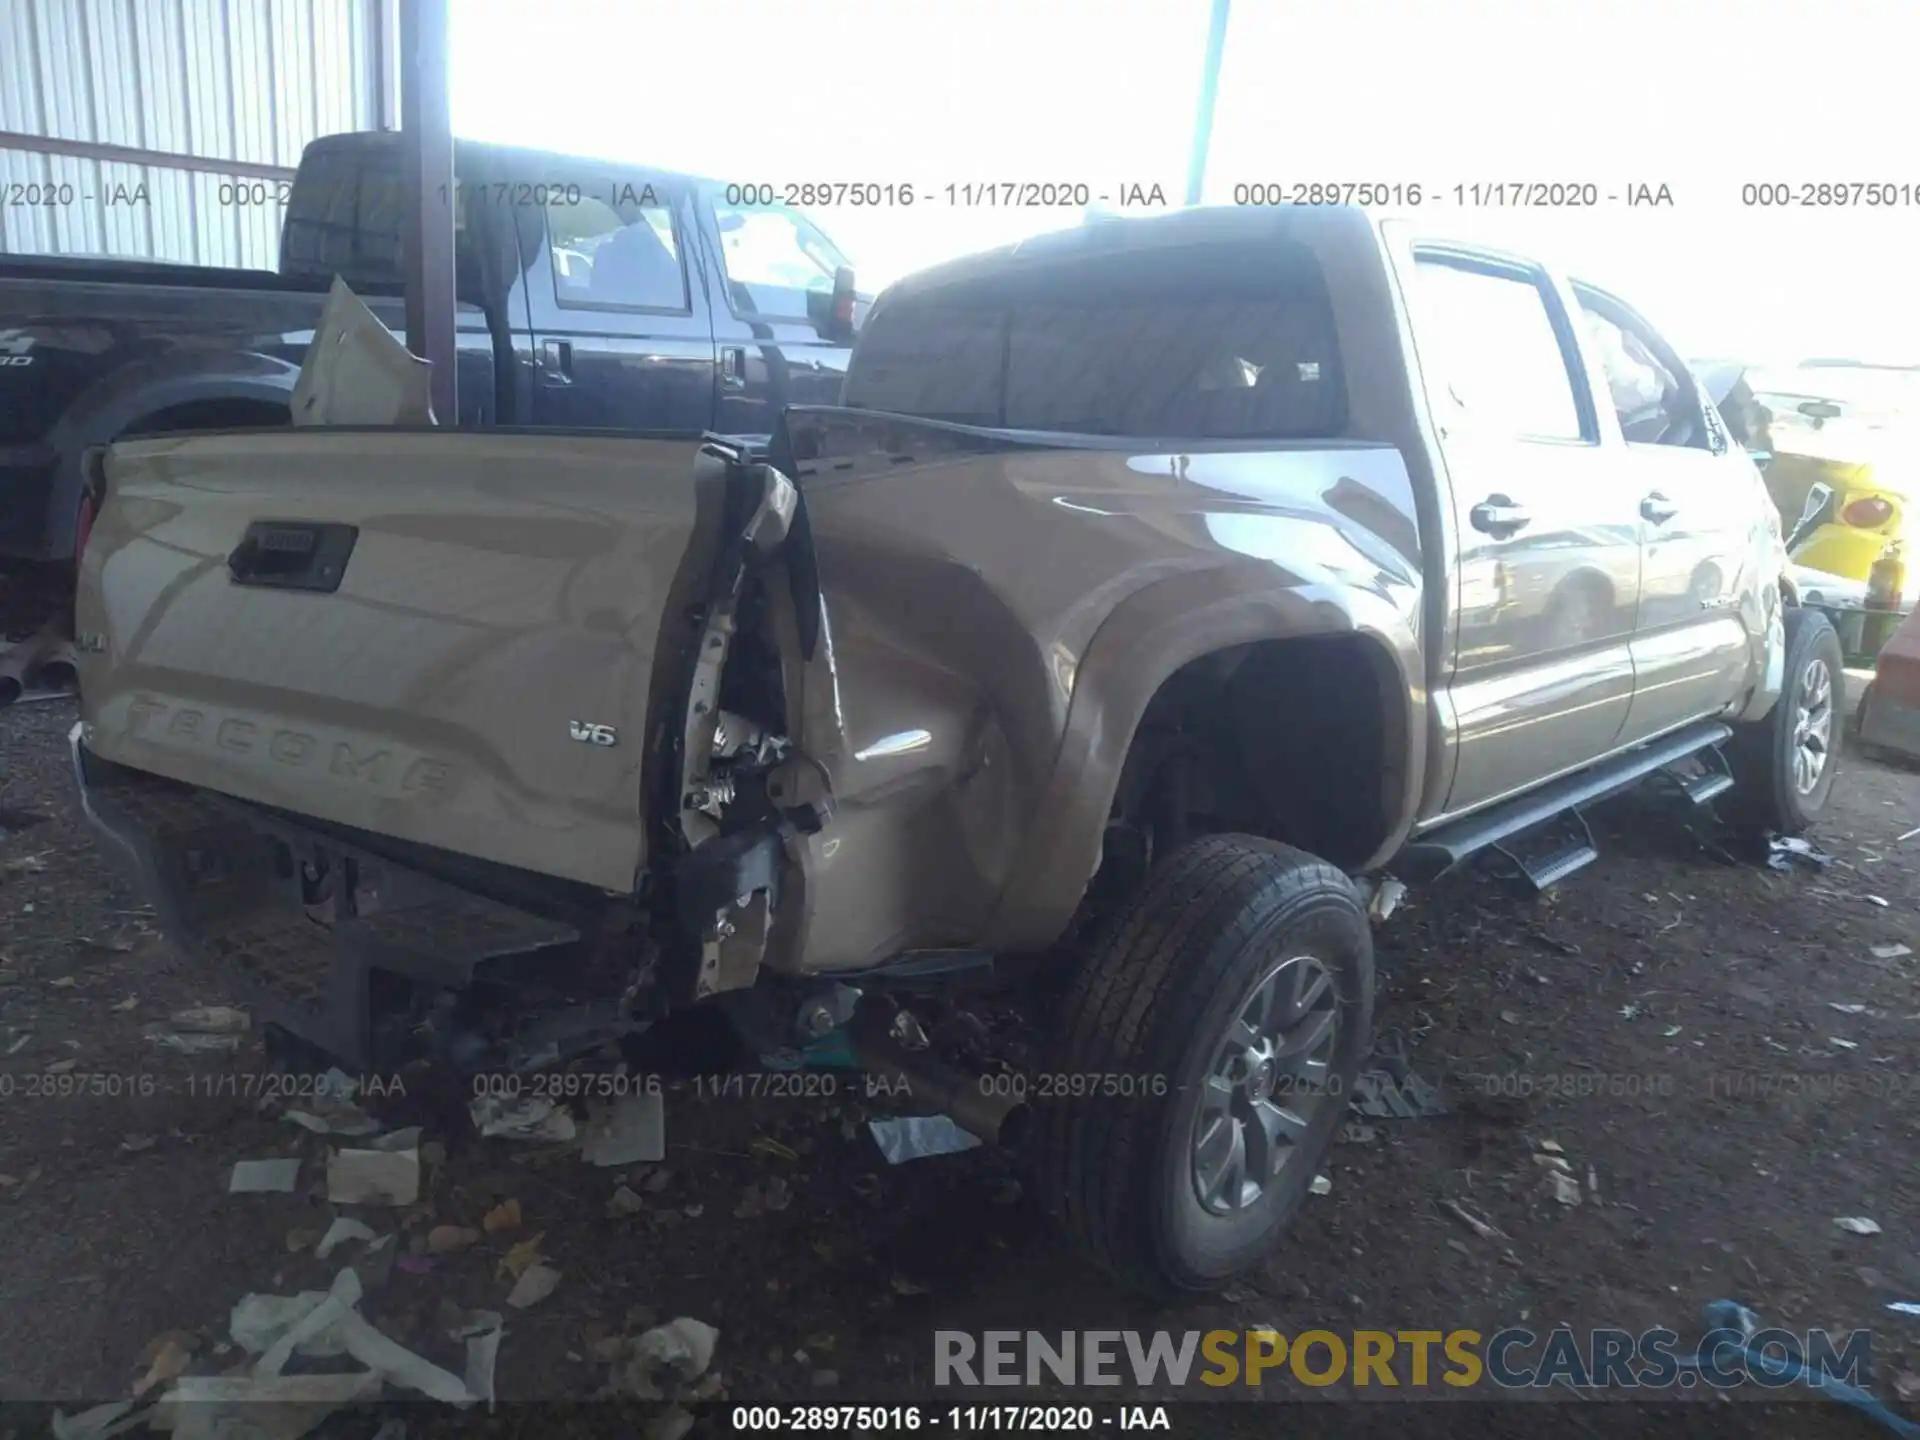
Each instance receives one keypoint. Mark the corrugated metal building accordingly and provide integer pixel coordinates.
(169, 129)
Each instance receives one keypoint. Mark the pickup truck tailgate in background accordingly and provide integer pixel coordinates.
(474, 678)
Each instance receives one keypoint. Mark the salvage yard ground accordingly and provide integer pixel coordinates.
(1725, 1056)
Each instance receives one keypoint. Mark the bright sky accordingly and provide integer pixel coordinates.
(1702, 97)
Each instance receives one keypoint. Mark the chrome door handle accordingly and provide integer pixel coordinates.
(556, 362)
(1658, 509)
(733, 367)
(1498, 516)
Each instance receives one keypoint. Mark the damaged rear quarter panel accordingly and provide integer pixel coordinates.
(998, 612)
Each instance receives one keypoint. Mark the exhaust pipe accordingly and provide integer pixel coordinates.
(19, 661)
(996, 1119)
(56, 670)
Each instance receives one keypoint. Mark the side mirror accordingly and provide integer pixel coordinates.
(832, 311)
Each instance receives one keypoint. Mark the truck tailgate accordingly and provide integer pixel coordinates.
(479, 679)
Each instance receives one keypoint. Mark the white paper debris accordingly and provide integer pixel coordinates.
(668, 1357)
(315, 1333)
(373, 1177)
(631, 1131)
(535, 1284)
(1904, 1307)
(335, 1118)
(481, 1329)
(1566, 1189)
(249, 1407)
(190, 1044)
(520, 1117)
(1387, 896)
(1891, 952)
(1857, 1224)
(99, 1423)
(916, 1137)
(343, 1229)
(1322, 1185)
(258, 1322)
(1847, 1007)
(261, 1177)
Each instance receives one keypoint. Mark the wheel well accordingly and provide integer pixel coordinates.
(222, 413)
(1300, 740)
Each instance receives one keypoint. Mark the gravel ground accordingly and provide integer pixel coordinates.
(1671, 1019)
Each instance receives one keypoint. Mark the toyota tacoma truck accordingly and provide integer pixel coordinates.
(1154, 589)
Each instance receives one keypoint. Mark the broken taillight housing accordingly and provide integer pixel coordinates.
(1869, 512)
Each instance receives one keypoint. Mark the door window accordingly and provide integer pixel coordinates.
(626, 258)
(1490, 339)
(1646, 394)
(775, 259)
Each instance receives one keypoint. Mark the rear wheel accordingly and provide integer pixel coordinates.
(1205, 1053)
(1784, 765)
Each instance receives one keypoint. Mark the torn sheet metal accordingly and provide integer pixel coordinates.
(357, 372)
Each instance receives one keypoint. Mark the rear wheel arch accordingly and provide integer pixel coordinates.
(1115, 707)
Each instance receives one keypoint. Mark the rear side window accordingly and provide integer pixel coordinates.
(345, 212)
(627, 258)
(1234, 346)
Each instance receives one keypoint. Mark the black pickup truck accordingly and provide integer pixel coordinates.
(592, 294)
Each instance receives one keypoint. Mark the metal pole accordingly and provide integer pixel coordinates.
(426, 145)
(1209, 90)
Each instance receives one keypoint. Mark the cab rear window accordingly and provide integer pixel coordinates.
(1221, 345)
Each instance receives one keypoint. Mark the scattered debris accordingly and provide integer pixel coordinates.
(520, 1117)
(907, 1285)
(916, 1137)
(1484, 1228)
(1550, 1147)
(334, 1117)
(1322, 1185)
(1843, 1044)
(1906, 1387)
(767, 1145)
(257, 1177)
(1631, 1010)
(503, 1217)
(535, 1284)
(1908, 835)
(1354, 1133)
(168, 1357)
(522, 1257)
(374, 1176)
(1847, 1007)
(1509, 1017)
(772, 1193)
(1565, 1188)
(1553, 1162)
(1783, 850)
(259, 1322)
(480, 1330)
(630, 1131)
(265, 1407)
(342, 1230)
(668, 1358)
(1392, 1091)
(1857, 1224)
(62, 1067)
(1387, 896)
(101, 1422)
(1892, 952)
(1876, 900)
(1671, 1031)
(623, 1203)
(445, 1239)
(25, 864)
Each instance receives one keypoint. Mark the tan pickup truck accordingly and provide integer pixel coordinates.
(1157, 587)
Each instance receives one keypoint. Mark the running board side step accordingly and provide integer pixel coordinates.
(1441, 850)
